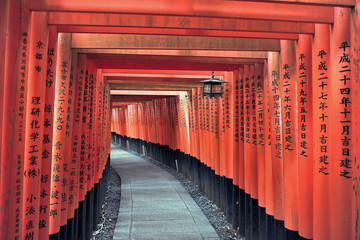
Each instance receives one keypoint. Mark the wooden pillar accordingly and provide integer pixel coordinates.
(288, 86)
(341, 133)
(260, 131)
(77, 134)
(276, 134)
(241, 144)
(47, 138)
(355, 122)
(236, 127)
(305, 135)
(253, 135)
(321, 121)
(229, 135)
(247, 127)
(35, 104)
(14, 73)
(269, 192)
(59, 125)
(68, 164)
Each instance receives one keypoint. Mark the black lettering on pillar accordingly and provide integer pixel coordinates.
(287, 109)
(247, 110)
(322, 84)
(253, 111)
(241, 100)
(345, 91)
(303, 109)
(237, 110)
(277, 115)
(260, 110)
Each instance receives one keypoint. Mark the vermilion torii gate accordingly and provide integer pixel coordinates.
(278, 152)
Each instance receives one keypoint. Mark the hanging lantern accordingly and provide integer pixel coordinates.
(213, 87)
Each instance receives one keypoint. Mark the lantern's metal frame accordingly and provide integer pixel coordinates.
(211, 84)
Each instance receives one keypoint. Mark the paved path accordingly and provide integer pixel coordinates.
(154, 205)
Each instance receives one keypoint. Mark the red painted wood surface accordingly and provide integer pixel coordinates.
(241, 145)
(260, 131)
(288, 86)
(47, 149)
(229, 126)
(236, 127)
(63, 67)
(322, 163)
(35, 104)
(305, 135)
(355, 73)
(269, 191)
(276, 135)
(13, 92)
(340, 126)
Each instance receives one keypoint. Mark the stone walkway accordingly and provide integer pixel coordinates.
(154, 205)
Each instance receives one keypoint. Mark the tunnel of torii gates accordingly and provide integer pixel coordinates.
(278, 153)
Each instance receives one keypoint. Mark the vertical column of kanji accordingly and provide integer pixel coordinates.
(76, 138)
(321, 191)
(253, 128)
(228, 108)
(196, 113)
(236, 113)
(247, 128)
(288, 87)
(77, 134)
(269, 194)
(191, 123)
(59, 129)
(84, 133)
(276, 134)
(305, 135)
(98, 124)
(341, 134)
(222, 154)
(207, 131)
(91, 129)
(217, 137)
(15, 76)
(187, 129)
(355, 124)
(35, 103)
(48, 133)
(94, 126)
(68, 165)
(241, 144)
(195, 123)
(182, 123)
(259, 92)
(201, 124)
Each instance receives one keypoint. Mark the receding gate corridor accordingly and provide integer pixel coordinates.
(257, 102)
(154, 205)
